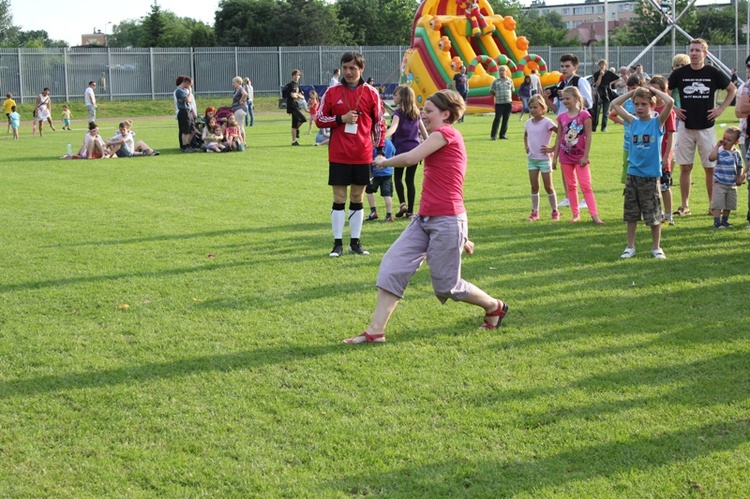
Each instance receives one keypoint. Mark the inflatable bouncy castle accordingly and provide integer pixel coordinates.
(448, 34)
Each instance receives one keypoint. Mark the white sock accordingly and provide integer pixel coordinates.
(355, 223)
(552, 200)
(338, 217)
(535, 202)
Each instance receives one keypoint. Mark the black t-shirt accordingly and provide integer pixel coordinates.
(603, 87)
(697, 88)
(291, 88)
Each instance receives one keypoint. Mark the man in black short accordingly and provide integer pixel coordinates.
(353, 111)
(293, 94)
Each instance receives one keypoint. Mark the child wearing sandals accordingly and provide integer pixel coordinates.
(537, 133)
(405, 130)
(642, 185)
(572, 150)
(439, 233)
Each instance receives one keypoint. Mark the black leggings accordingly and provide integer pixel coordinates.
(411, 190)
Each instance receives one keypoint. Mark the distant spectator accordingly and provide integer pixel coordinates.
(8, 104)
(336, 78)
(293, 94)
(89, 99)
(239, 106)
(44, 110)
(247, 86)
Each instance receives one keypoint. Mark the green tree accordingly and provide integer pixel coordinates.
(649, 23)
(716, 26)
(154, 28)
(126, 34)
(547, 29)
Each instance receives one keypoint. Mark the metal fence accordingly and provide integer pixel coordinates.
(149, 73)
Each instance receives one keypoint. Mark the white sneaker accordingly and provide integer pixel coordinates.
(628, 253)
(583, 205)
(659, 253)
(563, 203)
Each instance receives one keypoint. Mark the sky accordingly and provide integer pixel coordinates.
(62, 19)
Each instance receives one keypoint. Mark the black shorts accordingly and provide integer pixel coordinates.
(383, 183)
(297, 117)
(185, 122)
(343, 174)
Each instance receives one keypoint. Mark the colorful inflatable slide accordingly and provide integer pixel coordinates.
(447, 34)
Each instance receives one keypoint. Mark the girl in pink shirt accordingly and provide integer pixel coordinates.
(439, 232)
(572, 149)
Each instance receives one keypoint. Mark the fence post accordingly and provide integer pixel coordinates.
(192, 64)
(20, 74)
(109, 73)
(65, 71)
(236, 63)
(320, 65)
(151, 70)
(281, 81)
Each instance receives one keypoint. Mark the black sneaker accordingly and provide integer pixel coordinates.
(372, 216)
(295, 143)
(358, 249)
(718, 225)
(726, 224)
(336, 252)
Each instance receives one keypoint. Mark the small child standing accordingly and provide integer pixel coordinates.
(9, 103)
(644, 165)
(312, 105)
(572, 149)
(667, 149)
(15, 121)
(66, 115)
(727, 176)
(633, 82)
(381, 178)
(537, 133)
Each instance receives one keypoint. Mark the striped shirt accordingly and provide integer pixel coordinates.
(728, 166)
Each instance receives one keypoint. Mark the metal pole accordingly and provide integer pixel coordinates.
(606, 32)
(236, 63)
(65, 71)
(674, 34)
(20, 74)
(281, 75)
(736, 33)
(109, 72)
(151, 63)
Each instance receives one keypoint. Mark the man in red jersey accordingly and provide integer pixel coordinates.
(353, 111)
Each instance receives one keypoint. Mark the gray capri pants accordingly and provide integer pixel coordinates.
(439, 240)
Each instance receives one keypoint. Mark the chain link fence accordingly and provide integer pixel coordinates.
(149, 73)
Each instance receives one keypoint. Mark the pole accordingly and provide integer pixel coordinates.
(606, 31)
(674, 33)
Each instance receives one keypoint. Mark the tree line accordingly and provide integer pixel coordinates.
(271, 23)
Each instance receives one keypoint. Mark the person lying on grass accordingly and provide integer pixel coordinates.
(439, 232)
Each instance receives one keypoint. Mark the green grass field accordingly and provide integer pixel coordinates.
(132, 364)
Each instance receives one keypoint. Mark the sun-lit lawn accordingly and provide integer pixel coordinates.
(172, 326)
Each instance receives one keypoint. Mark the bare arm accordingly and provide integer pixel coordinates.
(394, 126)
(434, 142)
(668, 105)
(621, 111)
(714, 154)
(587, 130)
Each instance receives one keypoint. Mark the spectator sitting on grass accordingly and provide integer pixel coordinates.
(123, 144)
